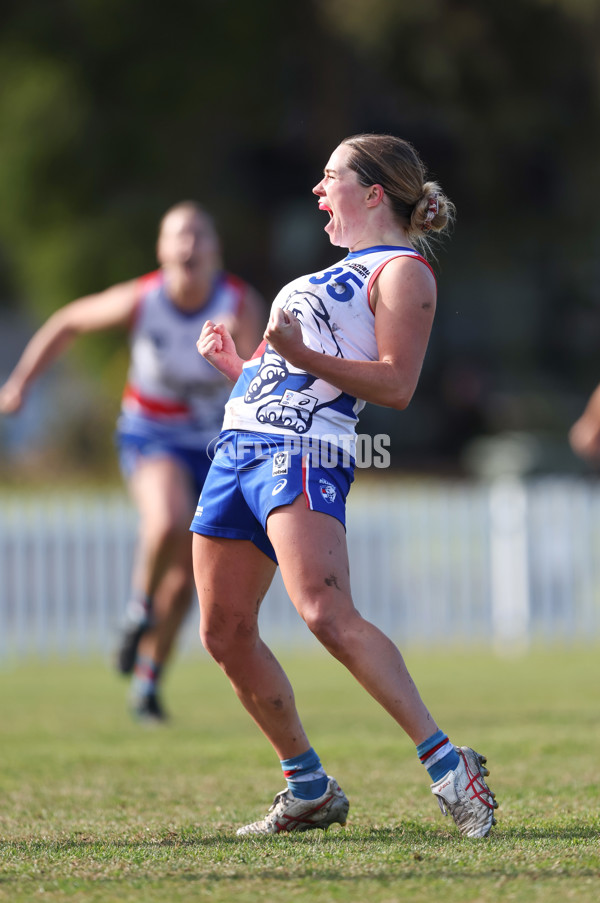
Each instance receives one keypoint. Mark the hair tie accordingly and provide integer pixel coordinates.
(433, 209)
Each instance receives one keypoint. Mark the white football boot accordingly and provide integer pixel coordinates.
(288, 813)
(466, 796)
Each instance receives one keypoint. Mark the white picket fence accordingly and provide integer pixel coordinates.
(500, 565)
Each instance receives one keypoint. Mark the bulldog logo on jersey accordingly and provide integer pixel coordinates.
(280, 463)
(293, 410)
(327, 490)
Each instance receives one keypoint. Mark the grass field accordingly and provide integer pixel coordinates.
(96, 808)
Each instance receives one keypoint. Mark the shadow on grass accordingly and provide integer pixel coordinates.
(407, 854)
(408, 834)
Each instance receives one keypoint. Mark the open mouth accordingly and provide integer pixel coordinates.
(324, 206)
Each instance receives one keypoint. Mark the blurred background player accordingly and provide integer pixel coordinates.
(172, 407)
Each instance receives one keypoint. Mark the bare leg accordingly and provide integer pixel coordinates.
(312, 553)
(171, 602)
(163, 494)
(232, 577)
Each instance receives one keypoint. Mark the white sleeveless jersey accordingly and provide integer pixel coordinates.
(172, 393)
(333, 309)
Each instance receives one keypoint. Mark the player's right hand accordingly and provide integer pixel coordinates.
(211, 340)
(218, 348)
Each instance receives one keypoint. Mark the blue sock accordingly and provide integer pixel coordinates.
(305, 775)
(146, 676)
(438, 755)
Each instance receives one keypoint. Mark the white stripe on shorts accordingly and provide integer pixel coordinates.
(305, 473)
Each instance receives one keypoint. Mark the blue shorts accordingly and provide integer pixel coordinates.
(132, 448)
(253, 473)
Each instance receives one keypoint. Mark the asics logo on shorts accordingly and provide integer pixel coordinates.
(278, 487)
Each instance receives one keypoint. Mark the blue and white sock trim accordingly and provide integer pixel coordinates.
(305, 775)
(438, 755)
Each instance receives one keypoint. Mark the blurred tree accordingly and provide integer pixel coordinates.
(112, 111)
(104, 127)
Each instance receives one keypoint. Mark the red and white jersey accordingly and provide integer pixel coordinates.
(172, 392)
(333, 308)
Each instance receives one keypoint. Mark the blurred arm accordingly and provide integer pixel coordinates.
(227, 345)
(111, 308)
(247, 329)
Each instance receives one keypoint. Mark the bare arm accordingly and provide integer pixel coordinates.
(404, 300)
(584, 435)
(227, 348)
(247, 329)
(93, 313)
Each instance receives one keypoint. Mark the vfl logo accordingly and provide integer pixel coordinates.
(280, 463)
(278, 487)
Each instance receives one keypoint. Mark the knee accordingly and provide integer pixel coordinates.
(212, 642)
(227, 641)
(327, 628)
